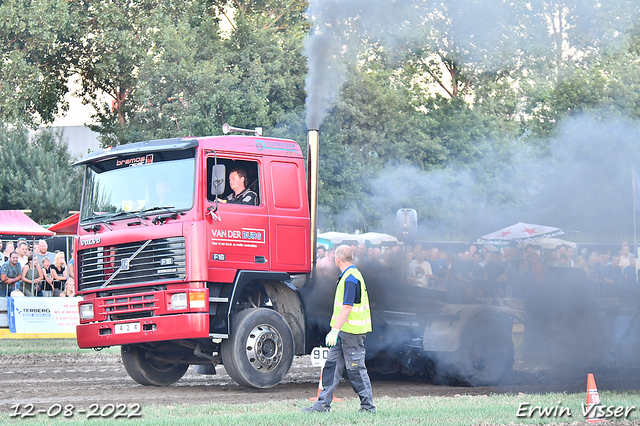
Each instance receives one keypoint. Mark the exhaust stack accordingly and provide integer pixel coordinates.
(312, 187)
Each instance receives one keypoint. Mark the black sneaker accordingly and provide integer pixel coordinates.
(314, 410)
(368, 410)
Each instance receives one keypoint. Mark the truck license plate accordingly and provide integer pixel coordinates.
(129, 327)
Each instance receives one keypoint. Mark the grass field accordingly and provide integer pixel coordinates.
(44, 346)
(444, 411)
(457, 410)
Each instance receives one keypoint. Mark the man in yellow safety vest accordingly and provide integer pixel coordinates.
(350, 323)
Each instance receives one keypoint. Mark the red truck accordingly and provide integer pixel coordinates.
(177, 277)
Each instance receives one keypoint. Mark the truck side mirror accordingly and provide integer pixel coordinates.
(406, 225)
(218, 175)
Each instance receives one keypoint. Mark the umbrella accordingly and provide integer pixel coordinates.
(521, 233)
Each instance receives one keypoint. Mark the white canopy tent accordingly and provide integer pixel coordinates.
(373, 238)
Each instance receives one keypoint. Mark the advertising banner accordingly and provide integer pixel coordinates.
(43, 314)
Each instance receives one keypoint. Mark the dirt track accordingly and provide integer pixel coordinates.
(84, 379)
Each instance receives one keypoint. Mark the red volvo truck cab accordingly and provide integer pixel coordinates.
(177, 276)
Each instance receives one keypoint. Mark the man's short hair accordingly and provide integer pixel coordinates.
(344, 253)
(22, 243)
(242, 174)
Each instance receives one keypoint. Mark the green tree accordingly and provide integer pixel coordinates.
(40, 41)
(187, 78)
(36, 174)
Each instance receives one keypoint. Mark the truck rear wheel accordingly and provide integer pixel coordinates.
(259, 352)
(150, 372)
(485, 354)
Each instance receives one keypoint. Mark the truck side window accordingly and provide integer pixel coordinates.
(241, 184)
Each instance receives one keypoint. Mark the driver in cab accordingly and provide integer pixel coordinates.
(241, 194)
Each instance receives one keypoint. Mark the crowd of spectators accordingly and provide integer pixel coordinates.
(486, 271)
(34, 271)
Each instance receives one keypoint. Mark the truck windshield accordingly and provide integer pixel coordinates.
(115, 187)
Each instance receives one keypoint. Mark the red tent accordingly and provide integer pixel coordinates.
(15, 222)
(68, 226)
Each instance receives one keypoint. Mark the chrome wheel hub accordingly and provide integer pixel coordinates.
(264, 347)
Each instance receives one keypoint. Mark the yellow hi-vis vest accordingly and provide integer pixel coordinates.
(359, 319)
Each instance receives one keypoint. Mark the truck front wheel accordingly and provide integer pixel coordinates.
(259, 352)
(486, 353)
(149, 372)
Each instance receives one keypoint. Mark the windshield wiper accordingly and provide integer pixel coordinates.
(139, 215)
(161, 219)
(95, 227)
(167, 208)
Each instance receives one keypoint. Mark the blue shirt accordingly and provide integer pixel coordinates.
(351, 289)
(438, 267)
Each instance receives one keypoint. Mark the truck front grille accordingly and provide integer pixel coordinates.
(132, 263)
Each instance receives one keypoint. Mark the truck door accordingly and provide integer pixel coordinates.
(288, 216)
(237, 233)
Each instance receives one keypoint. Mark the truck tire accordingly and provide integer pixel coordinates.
(259, 352)
(148, 372)
(485, 354)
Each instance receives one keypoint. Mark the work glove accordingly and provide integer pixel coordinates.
(332, 338)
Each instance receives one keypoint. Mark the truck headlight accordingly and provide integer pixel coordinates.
(179, 301)
(86, 311)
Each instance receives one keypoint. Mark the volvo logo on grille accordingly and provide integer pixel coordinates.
(124, 264)
(166, 261)
(89, 241)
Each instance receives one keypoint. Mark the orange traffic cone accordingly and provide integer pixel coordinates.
(593, 400)
(320, 390)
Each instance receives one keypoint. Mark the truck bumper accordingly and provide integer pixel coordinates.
(169, 327)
